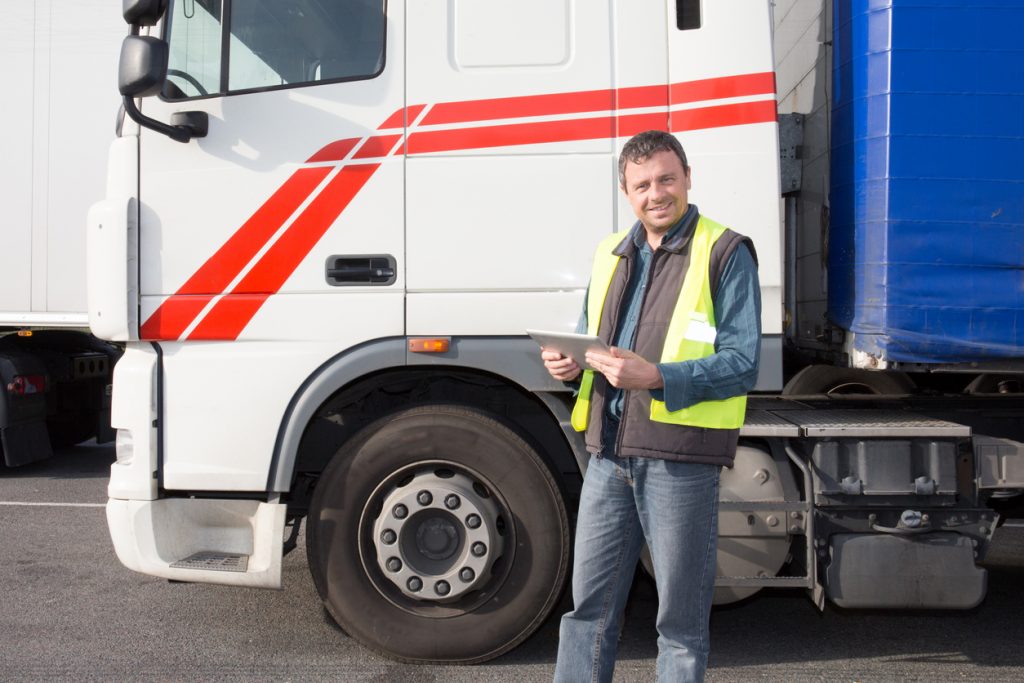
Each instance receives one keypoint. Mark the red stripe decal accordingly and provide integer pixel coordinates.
(398, 119)
(171, 318)
(589, 129)
(518, 107)
(336, 151)
(232, 313)
(228, 317)
(601, 100)
(508, 135)
(722, 88)
(378, 146)
(646, 96)
(740, 114)
(628, 126)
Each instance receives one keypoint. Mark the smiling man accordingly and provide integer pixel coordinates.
(677, 299)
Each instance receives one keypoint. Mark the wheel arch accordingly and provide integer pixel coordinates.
(385, 371)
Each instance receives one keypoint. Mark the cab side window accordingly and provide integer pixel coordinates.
(226, 46)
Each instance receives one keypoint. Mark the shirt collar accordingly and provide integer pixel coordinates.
(674, 240)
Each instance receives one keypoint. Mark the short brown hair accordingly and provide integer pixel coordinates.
(642, 146)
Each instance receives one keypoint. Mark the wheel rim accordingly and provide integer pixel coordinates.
(435, 539)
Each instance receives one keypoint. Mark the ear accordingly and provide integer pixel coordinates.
(689, 177)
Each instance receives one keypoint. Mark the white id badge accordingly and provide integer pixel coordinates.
(699, 329)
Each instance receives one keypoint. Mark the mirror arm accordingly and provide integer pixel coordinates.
(176, 133)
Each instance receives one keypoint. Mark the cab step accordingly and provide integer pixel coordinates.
(214, 561)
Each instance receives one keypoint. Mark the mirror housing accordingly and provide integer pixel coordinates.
(143, 12)
(142, 68)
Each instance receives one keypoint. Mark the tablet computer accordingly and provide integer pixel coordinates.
(574, 346)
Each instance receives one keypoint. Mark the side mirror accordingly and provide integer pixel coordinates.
(143, 12)
(141, 73)
(142, 67)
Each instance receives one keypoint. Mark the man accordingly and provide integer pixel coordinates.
(677, 299)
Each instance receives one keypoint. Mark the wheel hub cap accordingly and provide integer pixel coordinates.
(437, 536)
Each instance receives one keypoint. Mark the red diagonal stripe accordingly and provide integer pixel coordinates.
(229, 316)
(398, 119)
(179, 310)
(335, 151)
(173, 316)
(232, 313)
(378, 146)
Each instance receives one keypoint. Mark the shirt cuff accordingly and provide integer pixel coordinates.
(673, 393)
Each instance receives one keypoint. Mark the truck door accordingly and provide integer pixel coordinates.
(288, 213)
(275, 241)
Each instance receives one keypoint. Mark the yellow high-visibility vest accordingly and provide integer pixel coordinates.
(690, 332)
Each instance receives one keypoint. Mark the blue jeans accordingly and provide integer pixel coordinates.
(674, 507)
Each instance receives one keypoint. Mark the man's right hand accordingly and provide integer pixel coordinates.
(560, 367)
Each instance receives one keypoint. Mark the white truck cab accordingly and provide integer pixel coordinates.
(327, 227)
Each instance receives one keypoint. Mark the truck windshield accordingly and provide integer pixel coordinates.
(270, 44)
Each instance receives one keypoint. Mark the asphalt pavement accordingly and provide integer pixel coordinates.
(70, 611)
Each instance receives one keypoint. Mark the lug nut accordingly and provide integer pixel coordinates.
(414, 584)
(400, 511)
(394, 564)
(442, 588)
(911, 519)
(452, 501)
(467, 574)
(473, 521)
(424, 498)
(478, 549)
(388, 536)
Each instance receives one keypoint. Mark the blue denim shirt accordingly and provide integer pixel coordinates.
(731, 370)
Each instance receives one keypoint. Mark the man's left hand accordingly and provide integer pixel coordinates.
(626, 370)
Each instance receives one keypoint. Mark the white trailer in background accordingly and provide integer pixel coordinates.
(56, 125)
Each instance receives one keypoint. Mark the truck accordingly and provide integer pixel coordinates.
(55, 377)
(327, 227)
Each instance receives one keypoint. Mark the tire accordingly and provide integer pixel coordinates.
(826, 379)
(367, 583)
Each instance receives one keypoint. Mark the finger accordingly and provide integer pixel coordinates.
(623, 353)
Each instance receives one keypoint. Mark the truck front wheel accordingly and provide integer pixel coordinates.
(438, 534)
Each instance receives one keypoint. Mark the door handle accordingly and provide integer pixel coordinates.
(375, 269)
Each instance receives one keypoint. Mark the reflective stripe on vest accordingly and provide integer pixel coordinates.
(690, 335)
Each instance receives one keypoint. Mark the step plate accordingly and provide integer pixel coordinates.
(873, 423)
(214, 561)
(764, 423)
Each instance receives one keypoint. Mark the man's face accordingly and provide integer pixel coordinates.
(657, 190)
